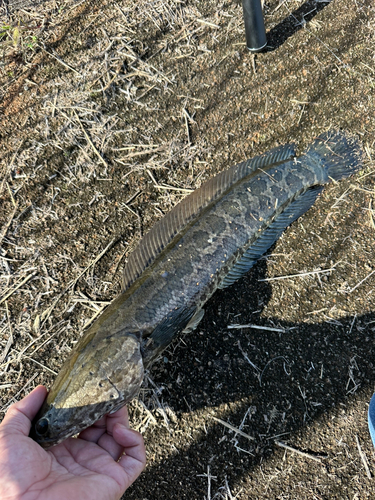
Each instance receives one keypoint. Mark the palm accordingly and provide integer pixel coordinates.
(75, 468)
(92, 466)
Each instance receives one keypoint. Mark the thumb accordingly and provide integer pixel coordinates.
(19, 416)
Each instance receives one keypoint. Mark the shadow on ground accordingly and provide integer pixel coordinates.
(297, 20)
(299, 378)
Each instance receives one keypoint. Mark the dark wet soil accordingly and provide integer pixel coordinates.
(144, 102)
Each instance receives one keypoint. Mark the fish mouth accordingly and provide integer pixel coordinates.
(47, 435)
(47, 441)
(53, 425)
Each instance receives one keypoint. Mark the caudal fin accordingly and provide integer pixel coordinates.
(339, 154)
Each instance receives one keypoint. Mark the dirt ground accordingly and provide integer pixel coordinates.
(110, 113)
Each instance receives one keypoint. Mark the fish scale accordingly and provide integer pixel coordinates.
(208, 241)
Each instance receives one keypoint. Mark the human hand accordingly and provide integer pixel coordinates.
(100, 464)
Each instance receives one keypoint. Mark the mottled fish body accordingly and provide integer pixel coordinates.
(208, 241)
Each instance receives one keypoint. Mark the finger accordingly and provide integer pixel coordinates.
(101, 437)
(102, 432)
(19, 416)
(134, 460)
(107, 442)
(105, 425)
(95, 431)
(119, 417)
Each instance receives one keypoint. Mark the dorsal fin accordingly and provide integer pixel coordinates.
(184, 213)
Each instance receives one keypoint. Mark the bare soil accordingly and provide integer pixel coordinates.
(110, 113)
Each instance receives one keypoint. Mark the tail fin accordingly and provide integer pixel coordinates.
(339, 154)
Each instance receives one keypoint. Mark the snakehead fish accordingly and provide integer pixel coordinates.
(207, 241)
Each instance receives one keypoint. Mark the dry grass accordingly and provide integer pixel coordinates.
(113, 113)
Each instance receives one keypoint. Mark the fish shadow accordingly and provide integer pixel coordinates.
(276, 382)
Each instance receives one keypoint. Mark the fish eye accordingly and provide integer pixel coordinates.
(41, 426)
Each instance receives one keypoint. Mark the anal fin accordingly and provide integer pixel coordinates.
(271, 234)
(195, 320)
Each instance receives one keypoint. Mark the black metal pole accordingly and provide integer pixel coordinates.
(254, 25)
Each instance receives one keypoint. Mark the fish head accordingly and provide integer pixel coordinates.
(98, 378)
